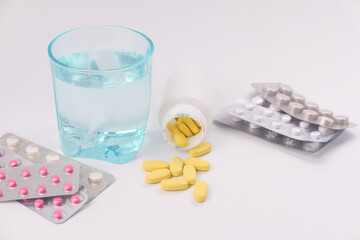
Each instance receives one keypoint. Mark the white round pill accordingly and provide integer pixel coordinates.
(257, 118)
(274, 108)
(52, 157)
(12, 141)
(254, 126)
(249, 106)
(267, 112)
(286, 118)
(285, 89)
(95, 177)
(258, 100)
(315, 135)
(235, 119)
(311, 106)
(270, 91)
(296, 131)
(304, 125)
(324, 130)
(276, 125)
(239, 111)
(282, 99)
(32, 150)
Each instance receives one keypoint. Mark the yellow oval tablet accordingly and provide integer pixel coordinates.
(197, 123)
(153, 165)
(200, 191)
(179, 121)
(179, 138)
(191, 125)
(157, 176)
(199, 164)
(201, 149)
(190, 174)
(185, 130)
(176, 166)
(174, 184)
(170, 126)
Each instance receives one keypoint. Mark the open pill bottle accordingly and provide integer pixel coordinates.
(187, 93)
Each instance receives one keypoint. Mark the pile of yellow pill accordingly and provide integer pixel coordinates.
(185, 127)
(161, 171)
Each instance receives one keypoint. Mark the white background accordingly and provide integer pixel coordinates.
(256, 190)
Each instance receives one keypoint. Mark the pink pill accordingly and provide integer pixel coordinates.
(69, 168)
(25, 173)
(12, 183)
(41, 189)
(68, 187)
(1, 194)
(55, 179)
(23, 191)
(75, 199)
(43, 171)
(13, 163)
(58, 214)
(57, 201)
(39, 203)
(2, 175)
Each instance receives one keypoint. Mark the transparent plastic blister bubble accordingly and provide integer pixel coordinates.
(280, 123)
(256, 130)
(57, 209)
(11, 159)
(283, 97)
(93, 180)
(39, 181)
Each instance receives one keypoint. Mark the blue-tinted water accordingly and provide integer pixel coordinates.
(102, 115)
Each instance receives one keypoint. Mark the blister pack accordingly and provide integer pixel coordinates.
(277, 122)
(283, 97)
(39, 180)
(92, 180)
(57, 209)
(9, 159)
(248, 127)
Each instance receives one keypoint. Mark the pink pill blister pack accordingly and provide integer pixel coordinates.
(283, 97)
(92, 180)
(39, 180)
(57, 209)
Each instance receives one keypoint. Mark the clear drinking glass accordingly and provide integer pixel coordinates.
(101, 78)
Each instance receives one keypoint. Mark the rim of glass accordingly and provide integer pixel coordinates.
(148, 54)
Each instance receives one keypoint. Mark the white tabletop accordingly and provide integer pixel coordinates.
(257, 190)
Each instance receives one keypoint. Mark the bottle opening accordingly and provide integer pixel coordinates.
(184, 131)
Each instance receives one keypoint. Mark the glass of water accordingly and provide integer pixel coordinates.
(101, 78)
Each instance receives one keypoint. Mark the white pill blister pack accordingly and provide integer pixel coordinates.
(263, 133)
(39, 180)
(57, 209)
(280, 123)
(92, 180)
(294, 104)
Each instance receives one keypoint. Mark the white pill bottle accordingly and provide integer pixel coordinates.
(187, 93)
